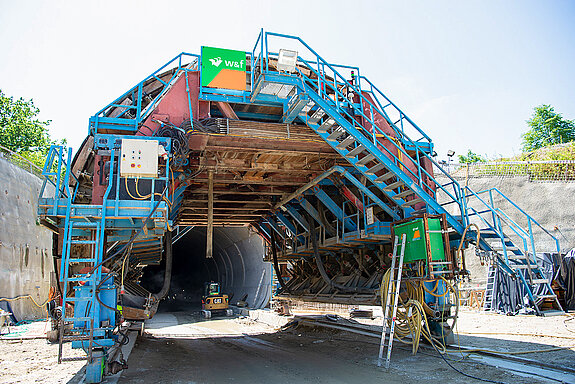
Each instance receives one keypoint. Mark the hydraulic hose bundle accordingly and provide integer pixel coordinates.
(412, 315)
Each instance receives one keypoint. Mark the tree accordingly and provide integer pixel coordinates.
(471, 157)
(21, 131)
(547, 128)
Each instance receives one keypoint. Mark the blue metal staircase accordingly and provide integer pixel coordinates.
(512, 244)
(355, 119)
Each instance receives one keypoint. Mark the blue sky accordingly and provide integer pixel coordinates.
(468, 72)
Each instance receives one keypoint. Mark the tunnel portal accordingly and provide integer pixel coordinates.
(237, 264)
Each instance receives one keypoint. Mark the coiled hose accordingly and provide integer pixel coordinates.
(411, 317)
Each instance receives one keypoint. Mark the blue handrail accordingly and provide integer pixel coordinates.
(321, 80)
(530, 219)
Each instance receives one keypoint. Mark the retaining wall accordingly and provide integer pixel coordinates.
(25, 247)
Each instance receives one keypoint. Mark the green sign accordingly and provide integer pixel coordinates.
(223, 68)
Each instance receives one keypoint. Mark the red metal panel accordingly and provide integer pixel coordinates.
(98, 189)
(174, 106)
(393, 153)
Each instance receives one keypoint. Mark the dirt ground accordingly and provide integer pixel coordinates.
(36, 361)
(184, 348)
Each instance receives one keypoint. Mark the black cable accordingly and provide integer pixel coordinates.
(455, 369)
(276, 264)
(134, 236)
(98, 289)
(180, 144)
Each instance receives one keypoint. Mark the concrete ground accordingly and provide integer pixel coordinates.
(184, 348)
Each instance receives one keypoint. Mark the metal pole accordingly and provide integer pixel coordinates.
(210, 228)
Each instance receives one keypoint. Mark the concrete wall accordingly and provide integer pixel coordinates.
(25, 247)
(237, 263)
(552, 204)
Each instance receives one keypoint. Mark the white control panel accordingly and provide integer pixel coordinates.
(139, 158)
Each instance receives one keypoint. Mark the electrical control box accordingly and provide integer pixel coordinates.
(139, 158)
(424, 239)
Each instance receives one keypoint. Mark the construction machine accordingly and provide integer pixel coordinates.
(214, 302)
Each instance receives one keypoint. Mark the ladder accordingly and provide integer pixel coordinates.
(79, 231)
(392, 289)
(490, 288)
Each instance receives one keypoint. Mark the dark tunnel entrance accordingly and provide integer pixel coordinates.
(237, 264)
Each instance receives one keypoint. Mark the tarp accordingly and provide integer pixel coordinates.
(510, 295)
(566, 278)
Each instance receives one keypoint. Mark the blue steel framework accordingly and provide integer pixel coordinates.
(346, 114)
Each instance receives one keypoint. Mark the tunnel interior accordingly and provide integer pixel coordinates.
(237, 264)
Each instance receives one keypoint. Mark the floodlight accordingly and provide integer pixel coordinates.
(287, 60)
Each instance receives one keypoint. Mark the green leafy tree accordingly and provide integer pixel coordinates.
(547, 128)
(21, 131)
(471, 157)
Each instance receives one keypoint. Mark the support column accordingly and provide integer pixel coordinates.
(210, 227)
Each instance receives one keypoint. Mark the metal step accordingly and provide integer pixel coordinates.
(514, 256)
(510, 248)
(374, 169)
(393, 186)
(384, 177)
(523, 266)
(366, 159)
(403, 194)
(307, 108)
(550, 296)
(84, 224)
(356, 151)
(316, 116)
(327, 124)
(81, 260)
(346, 142)
(411, 202)
(83, 241)
(335, 134)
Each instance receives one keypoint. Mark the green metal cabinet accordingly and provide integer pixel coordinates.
(421, 238)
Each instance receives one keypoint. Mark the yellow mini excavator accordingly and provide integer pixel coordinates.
(214, 302)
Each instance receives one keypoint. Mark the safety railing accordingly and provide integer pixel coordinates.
(355, 217)
(129, 108)
(57, 172)
(20, 161)
(327, 77)
(560, 171)
(494, 194)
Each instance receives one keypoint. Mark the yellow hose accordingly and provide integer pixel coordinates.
(411, 319)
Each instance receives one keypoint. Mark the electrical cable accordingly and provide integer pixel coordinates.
(132, 238)
(51, 296)
(457, 370)
(276, 264)
(140, 196)
(409, 322)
